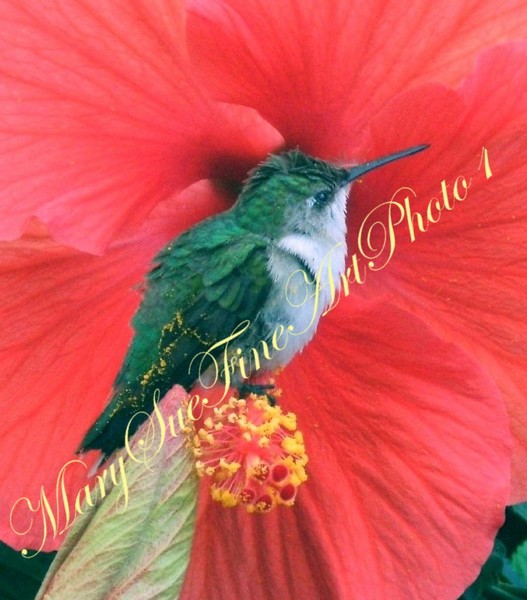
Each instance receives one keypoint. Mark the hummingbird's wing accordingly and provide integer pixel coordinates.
(204, 284)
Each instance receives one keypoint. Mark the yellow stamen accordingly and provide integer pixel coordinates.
(253, 454)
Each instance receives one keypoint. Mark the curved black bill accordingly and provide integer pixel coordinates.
(359, 170)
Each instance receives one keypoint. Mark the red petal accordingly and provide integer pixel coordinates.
(467, 275)
(407, 480)
(101, 118)
(64, 330)
(307, 65)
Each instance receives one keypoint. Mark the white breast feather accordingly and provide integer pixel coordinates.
(313, 251)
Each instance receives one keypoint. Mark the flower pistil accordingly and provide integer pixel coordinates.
(252, 452)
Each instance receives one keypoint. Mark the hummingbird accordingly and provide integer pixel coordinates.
(232, 277)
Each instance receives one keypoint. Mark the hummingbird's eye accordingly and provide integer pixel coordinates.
(322, 198)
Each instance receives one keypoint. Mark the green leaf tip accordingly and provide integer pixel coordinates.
(136, 541)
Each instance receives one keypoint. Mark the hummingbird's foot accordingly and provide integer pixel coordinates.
(260, 389)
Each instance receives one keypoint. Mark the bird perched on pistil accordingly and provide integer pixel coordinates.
(239, 292)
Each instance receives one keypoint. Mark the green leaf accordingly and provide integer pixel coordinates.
(504, 575)
(135, 543)
(521, 511)
(514, 530)
(489, 574)
(20, 578)
(519, 561)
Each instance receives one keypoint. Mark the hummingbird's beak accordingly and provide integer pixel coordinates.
(356, 172)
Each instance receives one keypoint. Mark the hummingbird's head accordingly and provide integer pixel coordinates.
(293, 193)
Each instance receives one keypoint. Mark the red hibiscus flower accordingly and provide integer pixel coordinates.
(124, 123)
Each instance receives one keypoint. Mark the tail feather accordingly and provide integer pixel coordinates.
(121, 419)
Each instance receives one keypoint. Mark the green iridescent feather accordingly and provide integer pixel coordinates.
(204, 284)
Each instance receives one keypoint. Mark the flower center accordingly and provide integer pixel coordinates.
(253, 454)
